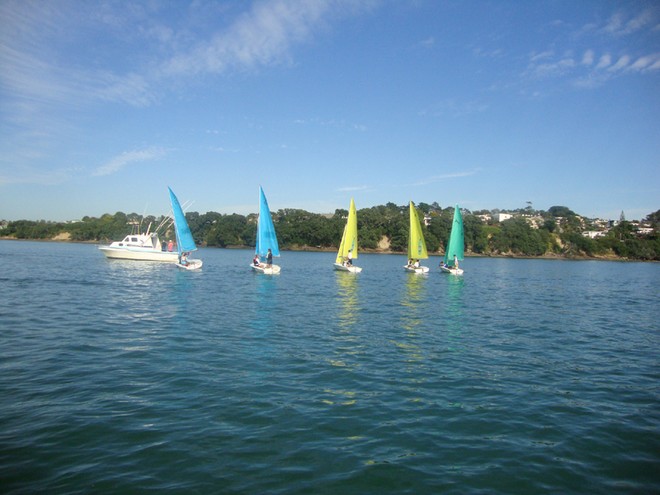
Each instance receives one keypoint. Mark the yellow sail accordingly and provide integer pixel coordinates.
(416, 244)
(349, 241)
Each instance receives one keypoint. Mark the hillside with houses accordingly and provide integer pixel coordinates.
(557, 232)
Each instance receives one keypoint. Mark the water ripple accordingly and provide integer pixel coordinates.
(523, 376)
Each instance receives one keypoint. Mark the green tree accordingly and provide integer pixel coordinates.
(561, 211)
(516, 236)
(475, 237)
(227, 230)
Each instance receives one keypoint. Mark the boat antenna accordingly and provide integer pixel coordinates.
(144, 213)
(165, 222)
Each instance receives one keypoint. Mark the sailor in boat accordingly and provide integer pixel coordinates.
(170, 246)
(183, 259)
(349, 258)
(445, 265)
(256, 261)
(269, 259)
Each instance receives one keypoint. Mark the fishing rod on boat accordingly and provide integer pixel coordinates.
(168, 221)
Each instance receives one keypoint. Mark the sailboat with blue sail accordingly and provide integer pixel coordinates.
(185, 243)
(455, 247)
(416, 244)
(266, 246)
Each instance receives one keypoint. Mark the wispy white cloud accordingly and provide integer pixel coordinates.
(335, 123)
(621, 64)
(621, 24)
(585, 74)
(536, 57)
(553, 68)
(427, 42)
(492, 53)
(442, 177)
(656, 64)
(646, 63)
(352, 188)
(454, 108)
(37, 65)
(51, 74)
(263, 36)
(604, 60)
(128, 158)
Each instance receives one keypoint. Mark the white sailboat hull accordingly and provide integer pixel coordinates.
(272, 270)
(419, 269)
(344, 268)
(191, 265)
(139, 254)
(453, 271)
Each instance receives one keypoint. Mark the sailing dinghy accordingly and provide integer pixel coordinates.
(348, 249)
(185, 243)
(455, 246)
(416, 245)
(266, 240)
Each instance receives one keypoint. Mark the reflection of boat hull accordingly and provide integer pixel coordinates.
(453, 271)
(272, 270)
(139, 254)
(419, 269)
(191, 265)
(344, 268)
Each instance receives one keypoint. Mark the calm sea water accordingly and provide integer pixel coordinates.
(523, 376)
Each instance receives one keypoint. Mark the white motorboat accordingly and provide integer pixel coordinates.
(142, 247)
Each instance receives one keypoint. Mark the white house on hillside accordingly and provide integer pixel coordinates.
(500, 217)
(592, 234)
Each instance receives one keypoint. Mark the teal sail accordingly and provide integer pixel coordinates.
(456, 244)
(266, 236)
(184, 239)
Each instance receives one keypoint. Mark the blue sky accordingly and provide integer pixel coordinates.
(488, 104)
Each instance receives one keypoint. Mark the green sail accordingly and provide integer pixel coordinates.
(456, 244)
(349, 241)
(416, 244)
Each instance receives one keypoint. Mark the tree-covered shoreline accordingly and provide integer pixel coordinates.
(556, 233)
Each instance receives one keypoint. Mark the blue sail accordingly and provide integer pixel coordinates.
(266, 237)
(184, 239)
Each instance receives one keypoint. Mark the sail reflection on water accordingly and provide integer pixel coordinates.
(348, 301)
(412, 323)
(347, 346)
(453, 312)
(266, 300)
(414, 295)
